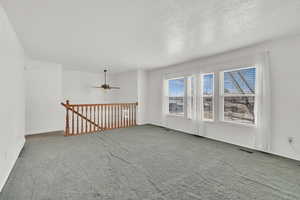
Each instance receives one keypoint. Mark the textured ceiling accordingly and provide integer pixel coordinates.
(130, 34)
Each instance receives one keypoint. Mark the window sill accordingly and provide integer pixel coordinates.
(174, 115)
(208, 121)
(238, 124)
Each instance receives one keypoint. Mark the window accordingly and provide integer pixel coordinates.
(207, 95)
(176, 90)
(239, 95)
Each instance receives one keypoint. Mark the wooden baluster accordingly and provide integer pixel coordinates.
(121, 117)
(135, 110)
(105, 119)
(90, 108)
(112, 117)
(118, 106)
(126, 106)
(101, 112)
(109, 116)
(92, 115)
(115, 115)
(95, 117)
(128, 110)
(130, 115)
(77, 120)
(116, 111)
(124, 116)
(81, 108)
(94, 127)
(133, 114)
(72, 121)
(103, 115)
(98, 117)
(127, 114)
(67, 131)
(86, 122)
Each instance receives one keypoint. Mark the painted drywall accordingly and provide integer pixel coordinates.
(285, 80)
(142, 80)
(77, 87)
(47, 85)
(128, 83)
(12, 60)
(43, 96)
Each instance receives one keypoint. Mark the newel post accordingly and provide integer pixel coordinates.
(67, 119)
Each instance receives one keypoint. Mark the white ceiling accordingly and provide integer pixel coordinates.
(130, 34)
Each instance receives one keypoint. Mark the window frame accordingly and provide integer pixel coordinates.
(223, 95)
(190, 100)
(184, 97)
(202, 96)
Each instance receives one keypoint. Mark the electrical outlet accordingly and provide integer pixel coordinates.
(291, 140)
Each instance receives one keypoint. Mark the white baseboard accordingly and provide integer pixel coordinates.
(16, 154)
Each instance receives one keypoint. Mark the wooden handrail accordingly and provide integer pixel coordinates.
(89, 118)
(105, 104)
(80, 115)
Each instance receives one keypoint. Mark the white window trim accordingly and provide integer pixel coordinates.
(223, 95)
(202, 96)
(192, 95)
(184, 98)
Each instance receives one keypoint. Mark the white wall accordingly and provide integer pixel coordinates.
(77, 86)
(142, 81)
(47, 85)
(128, 82)
(12, 99)
(285, 62)
(43, 96)
(133, 86)
(285, 71)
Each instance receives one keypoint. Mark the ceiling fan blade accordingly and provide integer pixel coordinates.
(97, 87)
(114, 88)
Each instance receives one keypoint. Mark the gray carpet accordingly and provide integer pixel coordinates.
(147, 162)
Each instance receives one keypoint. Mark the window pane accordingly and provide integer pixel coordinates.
(240, 81)
(239, 109)
(208, 83)
(176, 96)
(208, 108)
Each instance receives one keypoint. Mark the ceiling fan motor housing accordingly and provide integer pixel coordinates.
(105, 86)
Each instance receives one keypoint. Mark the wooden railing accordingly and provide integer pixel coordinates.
(92, 118)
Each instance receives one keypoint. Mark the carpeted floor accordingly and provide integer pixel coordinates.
(147, 162)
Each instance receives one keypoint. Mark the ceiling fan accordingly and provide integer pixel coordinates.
(106, 86)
